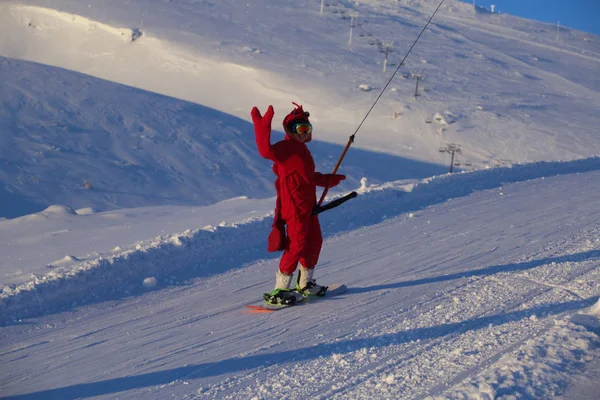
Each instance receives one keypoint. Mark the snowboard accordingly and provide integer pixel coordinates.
(262, 307)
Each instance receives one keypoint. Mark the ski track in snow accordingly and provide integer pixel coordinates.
(511, 327)
(402, 352)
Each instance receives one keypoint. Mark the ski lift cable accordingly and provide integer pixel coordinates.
(397, 69)
(351, 139)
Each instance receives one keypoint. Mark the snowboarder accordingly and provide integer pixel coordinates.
(296, 197)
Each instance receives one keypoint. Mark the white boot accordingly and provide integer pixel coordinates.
(306, 285)
(282, 281)
(282, 293)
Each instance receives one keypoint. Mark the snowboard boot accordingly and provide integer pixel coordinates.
(282, 294)
(306, 285)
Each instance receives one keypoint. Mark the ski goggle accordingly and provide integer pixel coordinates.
(301, 128)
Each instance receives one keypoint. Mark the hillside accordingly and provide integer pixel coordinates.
(134, 208)
(501, 87)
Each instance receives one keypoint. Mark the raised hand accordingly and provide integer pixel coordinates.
(260, 121)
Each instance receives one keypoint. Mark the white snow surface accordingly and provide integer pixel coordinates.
(460, 286)
(136, 208)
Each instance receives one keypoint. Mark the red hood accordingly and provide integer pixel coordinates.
(296, 115)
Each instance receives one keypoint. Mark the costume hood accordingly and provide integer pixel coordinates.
(296, 115)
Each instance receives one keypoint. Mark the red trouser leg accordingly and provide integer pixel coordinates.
(310, 257)
(304, 244)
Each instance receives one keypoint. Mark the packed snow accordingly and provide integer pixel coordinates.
(135, 209)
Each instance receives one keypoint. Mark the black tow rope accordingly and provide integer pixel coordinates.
(320, 208)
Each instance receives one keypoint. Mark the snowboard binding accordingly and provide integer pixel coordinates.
(280, 297)
(312, 289)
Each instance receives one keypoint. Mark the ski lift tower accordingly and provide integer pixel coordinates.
(451, 149)
(353, 17)
(388, 49)
(417, 76)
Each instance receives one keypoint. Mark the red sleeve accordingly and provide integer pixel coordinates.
(262, 133)
(263, 142)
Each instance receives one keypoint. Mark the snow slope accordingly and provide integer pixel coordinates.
(86, 142)
(139, 207)
(223, 230)
(485, 293)
(503, 88)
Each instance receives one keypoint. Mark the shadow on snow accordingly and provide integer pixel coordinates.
(146, 149)
(496, 269)
(232, 365)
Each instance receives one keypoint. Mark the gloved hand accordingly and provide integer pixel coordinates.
(277, 240)
(262, 124)
(334, 179)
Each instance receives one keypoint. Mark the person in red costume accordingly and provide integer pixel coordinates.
(296, 197)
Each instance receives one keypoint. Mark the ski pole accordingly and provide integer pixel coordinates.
(351, 140)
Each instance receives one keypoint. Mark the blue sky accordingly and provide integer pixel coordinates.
(583, 15)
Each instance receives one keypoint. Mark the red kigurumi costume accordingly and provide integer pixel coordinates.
(296, 188)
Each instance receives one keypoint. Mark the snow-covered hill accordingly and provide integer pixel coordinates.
(139, 208)
(86, 142)
(501, 87)
(484, 293)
